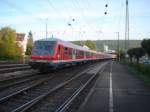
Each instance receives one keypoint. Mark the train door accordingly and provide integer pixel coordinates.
(60, 52)
(74, 54)
(84, 55)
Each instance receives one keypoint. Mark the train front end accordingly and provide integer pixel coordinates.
(43, 54)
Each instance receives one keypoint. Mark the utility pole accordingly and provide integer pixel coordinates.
(127, 28)
(118, 46)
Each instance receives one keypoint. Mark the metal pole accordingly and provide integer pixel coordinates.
(46, 28)
(127, 27)
(118, 47)
(128, 24)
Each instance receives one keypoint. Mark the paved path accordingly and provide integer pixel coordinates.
(118, 91)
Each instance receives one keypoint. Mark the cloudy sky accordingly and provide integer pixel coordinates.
(86, 17)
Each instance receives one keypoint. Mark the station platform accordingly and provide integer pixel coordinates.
(117, 90)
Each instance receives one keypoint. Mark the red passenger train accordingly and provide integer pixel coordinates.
(54, 53)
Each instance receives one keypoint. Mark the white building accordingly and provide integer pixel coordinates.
(22, 41)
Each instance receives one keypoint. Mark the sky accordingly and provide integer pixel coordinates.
(86, 17)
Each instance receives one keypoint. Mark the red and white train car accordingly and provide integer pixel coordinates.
(53, 53)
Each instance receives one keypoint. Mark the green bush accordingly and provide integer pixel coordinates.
(9, 48)
(144, 69)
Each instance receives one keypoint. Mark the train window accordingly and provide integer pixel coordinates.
(70, 52)
(81, 53)
(87, 54)
(66, 51)
(44, 47)
(90, 54)
(74, 52)
(78, 53)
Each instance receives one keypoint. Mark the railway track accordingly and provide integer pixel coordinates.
(6, 68)
(32, 88)
(52, 88)
(12, 65)
(21, 78)
(9, 86)
(15, 83)
(60, 98)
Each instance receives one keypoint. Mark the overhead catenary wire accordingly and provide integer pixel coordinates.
(77, 5)
(55, 9)
(86, 22)
(30, 14)
(57, 12)
(17, 8)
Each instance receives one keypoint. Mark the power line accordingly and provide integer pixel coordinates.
(60, 12)
(55, 9)
(19, 9)
(77, 5)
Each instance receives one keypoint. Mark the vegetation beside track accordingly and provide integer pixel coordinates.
(141, 71)
(11, 47)
(23, 60)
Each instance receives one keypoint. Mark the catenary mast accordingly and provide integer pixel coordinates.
(127, 27)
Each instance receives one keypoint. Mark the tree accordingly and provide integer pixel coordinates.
(122, 54)
(80, 43)
(138, 53)
(8, 47)
(131, 53)
(90, 44)
(29, 44)
(146, 46)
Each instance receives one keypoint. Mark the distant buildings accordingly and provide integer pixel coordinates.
(84, 46)
(22, 41)
(108, 51)
(105, 48)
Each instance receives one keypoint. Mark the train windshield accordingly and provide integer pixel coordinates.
(43, 48)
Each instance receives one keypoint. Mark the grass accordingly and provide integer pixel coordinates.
(140, 71)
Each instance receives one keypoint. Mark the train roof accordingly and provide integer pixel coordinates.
(71, 45)
(66, 43)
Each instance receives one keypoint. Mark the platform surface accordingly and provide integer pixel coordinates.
(129, 94)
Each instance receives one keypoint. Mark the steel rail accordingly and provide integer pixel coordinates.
(69, 101)
(12, 65)
(7, 70)
(29, 105)
(20, 80)
(24, 89)
(21, 74)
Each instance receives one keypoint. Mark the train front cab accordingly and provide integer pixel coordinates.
(43, 54)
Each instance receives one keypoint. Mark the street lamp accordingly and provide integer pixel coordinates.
(46, 32)
(118, 46)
